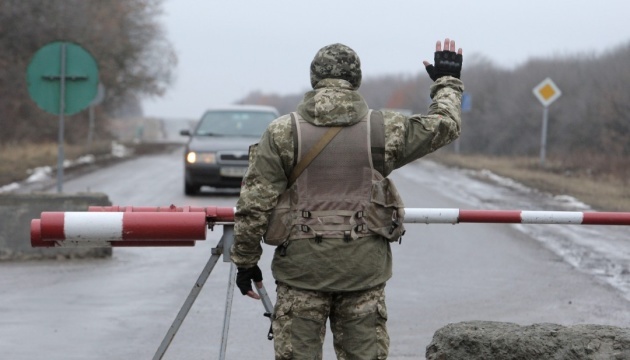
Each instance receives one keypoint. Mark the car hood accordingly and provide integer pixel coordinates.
(220, 143)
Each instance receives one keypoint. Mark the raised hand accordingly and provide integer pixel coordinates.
(447, 61)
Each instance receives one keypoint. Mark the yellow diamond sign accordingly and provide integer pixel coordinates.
(547, 92)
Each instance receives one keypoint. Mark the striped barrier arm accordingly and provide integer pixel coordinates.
(117, 226)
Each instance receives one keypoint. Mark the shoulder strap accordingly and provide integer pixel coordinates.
(313, 152)
(377, 141)
(294, 136)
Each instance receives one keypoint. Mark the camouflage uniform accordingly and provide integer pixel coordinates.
(336, 279)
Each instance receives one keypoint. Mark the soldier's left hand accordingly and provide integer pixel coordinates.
(447, 62)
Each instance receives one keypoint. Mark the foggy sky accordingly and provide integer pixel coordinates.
(228, 48)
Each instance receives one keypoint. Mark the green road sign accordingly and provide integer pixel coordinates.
(70, 62)
(62, 79)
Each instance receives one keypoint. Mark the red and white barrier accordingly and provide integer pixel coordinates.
(182, 226)
(214, 214)
(103, 229)
(454, 216)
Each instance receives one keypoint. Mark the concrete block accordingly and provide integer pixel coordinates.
(17, 211)
(476, 340)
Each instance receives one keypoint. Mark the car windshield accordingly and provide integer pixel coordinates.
(234, 123)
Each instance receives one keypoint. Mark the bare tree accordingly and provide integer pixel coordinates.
(589, 125)
(134, 57)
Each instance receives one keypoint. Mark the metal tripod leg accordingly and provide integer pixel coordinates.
(264, 297)
(228, 311)
(222, 248)
(190, 300)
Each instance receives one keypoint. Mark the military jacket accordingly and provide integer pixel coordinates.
(334, 265)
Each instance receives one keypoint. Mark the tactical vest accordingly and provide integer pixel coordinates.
(340, 194)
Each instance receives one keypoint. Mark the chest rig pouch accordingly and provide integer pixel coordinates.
(340, 193)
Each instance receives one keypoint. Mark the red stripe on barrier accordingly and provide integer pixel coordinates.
(52, 226)
(489, 216)
(36, 235)
(102, 208)
(36, 232)
(224, 214)
(164, 226)
(606, 218)
(169, 209)
(215, 213)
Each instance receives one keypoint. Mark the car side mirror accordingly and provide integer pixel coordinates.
(184, 132)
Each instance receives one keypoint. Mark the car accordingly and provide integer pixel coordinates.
(216, 153)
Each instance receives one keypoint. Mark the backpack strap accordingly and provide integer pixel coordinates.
(294, 135)
(377, 141)
(313, 152)
(377, 147)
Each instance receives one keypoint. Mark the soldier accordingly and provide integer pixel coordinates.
(317, 189)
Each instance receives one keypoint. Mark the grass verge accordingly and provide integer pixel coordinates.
(603, 192)
(17, 159)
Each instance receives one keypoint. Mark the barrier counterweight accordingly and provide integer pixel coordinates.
(100, 229)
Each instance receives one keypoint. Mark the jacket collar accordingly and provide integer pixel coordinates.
(332, 102)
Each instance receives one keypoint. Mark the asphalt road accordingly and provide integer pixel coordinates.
(121, 308)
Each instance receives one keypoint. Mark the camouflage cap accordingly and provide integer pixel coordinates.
(336, 61)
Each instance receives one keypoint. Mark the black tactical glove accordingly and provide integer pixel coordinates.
(446, 63)
(245, 276)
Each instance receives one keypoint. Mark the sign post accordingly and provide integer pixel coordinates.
(100, 96)
(62, 79)
(466, 107)
(546, 92)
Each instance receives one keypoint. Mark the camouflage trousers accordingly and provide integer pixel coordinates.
(357, 321)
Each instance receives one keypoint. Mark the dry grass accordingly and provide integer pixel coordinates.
(604, 192)
(17, 158)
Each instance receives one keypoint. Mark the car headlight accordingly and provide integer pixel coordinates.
(191, 157)
(200, 158)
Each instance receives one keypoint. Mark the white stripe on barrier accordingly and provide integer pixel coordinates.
(551, 217)
(95, 226)
(431, 216)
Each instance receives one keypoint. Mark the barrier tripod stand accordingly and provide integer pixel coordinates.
(222, 248)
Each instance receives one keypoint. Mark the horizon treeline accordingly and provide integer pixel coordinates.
(588, 126)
